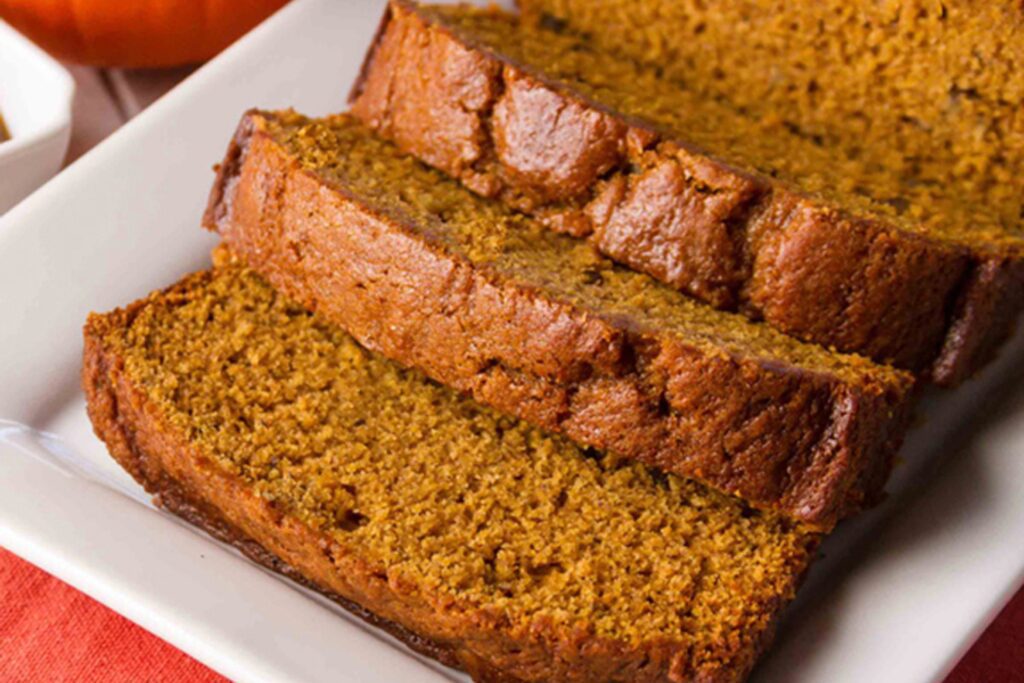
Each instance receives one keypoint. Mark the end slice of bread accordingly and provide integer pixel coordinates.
(473, 537)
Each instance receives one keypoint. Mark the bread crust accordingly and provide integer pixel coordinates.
(811, 445)
(484, 644)
(737, 240)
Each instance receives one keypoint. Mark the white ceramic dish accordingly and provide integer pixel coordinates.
(35, 101)
(898, 596)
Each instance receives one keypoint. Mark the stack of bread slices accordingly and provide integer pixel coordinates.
(556, 359)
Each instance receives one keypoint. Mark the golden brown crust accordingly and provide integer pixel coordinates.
(812, 445)
(484, 644)
(736, 240)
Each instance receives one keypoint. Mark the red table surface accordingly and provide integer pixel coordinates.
(51, 632)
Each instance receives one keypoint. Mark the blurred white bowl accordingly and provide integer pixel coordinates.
(35, 102)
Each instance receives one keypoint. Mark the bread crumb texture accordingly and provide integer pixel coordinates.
(904, 110)
(473, 507)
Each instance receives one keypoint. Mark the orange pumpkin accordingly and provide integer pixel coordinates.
(135, 33)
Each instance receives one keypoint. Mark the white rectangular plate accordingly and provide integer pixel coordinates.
(898, 596)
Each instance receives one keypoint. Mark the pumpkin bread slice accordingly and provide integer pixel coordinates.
(848, 251)
(477, 539)
(422, 270)
(929, 89)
